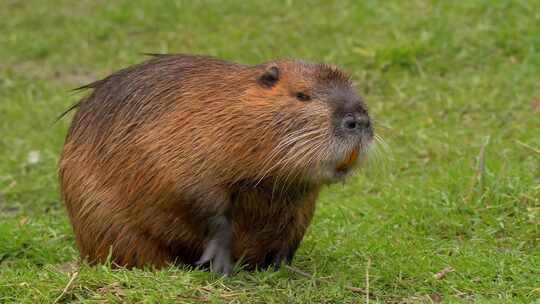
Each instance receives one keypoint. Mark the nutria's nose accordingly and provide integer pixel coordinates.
(354, 124)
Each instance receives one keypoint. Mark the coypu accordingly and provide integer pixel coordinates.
(195, 160)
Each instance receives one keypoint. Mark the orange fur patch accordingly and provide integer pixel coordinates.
(348, 161)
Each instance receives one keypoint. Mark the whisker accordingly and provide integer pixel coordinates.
(285, 144)
(305, 153)
(293, 158)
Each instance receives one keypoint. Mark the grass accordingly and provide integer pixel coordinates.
(444, 79)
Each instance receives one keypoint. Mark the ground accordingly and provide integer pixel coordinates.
(448, 210)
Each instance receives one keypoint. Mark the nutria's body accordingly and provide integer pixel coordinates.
(194, 159)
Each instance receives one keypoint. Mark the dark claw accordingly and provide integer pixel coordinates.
(281, 259)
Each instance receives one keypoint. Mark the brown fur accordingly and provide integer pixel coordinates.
(158, 148)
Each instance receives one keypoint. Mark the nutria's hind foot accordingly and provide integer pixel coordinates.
(281, 259)
(218, 248)
(276, 259)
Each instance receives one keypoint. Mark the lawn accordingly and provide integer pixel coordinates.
(447, 211)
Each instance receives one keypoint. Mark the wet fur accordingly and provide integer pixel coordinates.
(159, 148)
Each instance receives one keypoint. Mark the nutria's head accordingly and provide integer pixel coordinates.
(320, 127)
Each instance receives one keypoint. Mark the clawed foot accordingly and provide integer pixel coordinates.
(277, 259)
(218, 249)
(218, 256)
(280, 259)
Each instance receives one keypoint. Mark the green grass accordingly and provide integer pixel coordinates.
(442, 78)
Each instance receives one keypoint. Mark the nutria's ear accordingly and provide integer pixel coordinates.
(270, 77)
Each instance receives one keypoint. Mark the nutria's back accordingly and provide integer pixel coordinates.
(130, 94)
(184, 155)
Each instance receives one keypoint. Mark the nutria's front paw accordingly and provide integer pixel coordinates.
(219, 257)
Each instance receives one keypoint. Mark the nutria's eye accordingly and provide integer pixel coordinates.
(302, 97)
